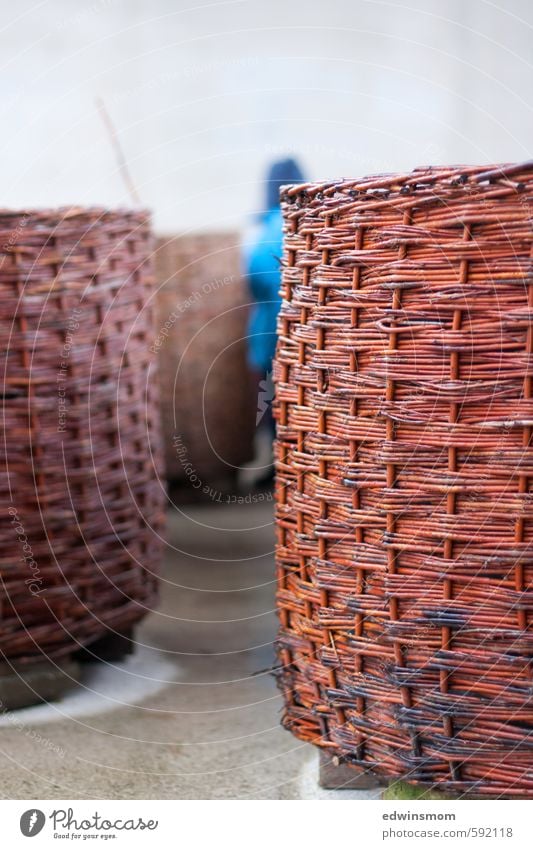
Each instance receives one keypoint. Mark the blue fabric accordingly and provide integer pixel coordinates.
(264, 272)
(280, 174)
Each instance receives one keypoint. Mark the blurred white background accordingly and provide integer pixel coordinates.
(203, 95)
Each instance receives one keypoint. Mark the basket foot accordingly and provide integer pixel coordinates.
(336, 774)
(23, 685)
(111, 647)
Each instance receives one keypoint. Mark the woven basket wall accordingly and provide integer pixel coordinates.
(82, 505)
(207, 399)
(405, 474)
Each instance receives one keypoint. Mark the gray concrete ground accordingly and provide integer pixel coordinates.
(211, 730)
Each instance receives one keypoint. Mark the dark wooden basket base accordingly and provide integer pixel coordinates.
(29, 684)
(337, 774)
(113, 646)
(46, 680)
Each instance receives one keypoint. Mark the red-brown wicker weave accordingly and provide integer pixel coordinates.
(81, 503)
(405, 474)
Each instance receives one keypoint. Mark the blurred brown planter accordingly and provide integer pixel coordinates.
(208, 405)
(82, 504)
(405, 475)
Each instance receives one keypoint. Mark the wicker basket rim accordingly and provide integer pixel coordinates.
(69, 212)
(476, 173)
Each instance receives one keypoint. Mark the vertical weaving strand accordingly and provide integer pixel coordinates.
(356, 501)
(404, 469)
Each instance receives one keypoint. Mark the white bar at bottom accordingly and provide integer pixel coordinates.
(257, 824)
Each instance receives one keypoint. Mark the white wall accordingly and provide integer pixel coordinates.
(205, 92)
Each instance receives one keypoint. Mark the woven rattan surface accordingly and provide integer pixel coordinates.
(405, 474)
(82, 504)
(208, 407)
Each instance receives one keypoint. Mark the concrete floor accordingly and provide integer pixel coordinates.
(202, 719)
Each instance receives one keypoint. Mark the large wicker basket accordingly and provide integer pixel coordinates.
(207, 398)
(82, 503)
(405, 474)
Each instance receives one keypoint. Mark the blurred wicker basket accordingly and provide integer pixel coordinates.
(207, 400)
(82, 504)
(405, 474)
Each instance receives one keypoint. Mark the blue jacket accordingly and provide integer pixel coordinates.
(264, 273)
